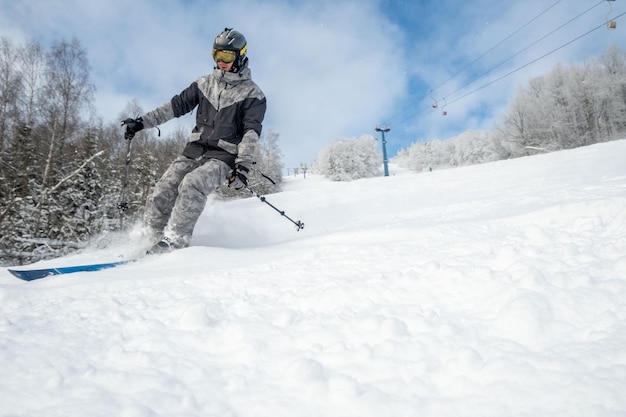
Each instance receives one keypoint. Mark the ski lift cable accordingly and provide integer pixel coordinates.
(486, 52)
(498, 44)
(525, 49)
(515, 70)
(535, 60)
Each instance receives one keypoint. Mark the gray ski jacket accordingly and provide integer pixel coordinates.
(231, 108)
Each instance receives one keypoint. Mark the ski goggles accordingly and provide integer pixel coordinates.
(224, 56)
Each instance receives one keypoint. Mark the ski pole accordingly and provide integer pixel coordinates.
(123, 204)
(298, 223)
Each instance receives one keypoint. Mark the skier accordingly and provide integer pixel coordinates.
(230, 112)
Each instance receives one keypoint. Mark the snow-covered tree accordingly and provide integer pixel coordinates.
(570, 106)
(349, 159)
(269, 163)
(468, 148)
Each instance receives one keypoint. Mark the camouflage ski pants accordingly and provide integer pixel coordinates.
(180, 195)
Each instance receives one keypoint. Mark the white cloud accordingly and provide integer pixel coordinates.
(326, 74)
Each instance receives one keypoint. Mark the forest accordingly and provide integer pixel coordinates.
(67, 179)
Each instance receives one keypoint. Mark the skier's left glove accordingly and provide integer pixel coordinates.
(239, 177)
(132, 126)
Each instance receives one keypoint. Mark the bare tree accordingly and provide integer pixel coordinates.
(9, 90)
(67, 94)
(32, 64)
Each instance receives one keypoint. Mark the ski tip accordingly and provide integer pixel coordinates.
(33, 274)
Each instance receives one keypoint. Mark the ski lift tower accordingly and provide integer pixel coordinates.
(383, 130)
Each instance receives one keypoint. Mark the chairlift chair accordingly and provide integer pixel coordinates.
(611, 24)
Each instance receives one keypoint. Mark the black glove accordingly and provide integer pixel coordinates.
(239, 177)
(132, 126)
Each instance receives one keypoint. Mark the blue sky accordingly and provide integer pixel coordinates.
(329, 69)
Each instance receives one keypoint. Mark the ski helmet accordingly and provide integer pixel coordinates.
(231, 40)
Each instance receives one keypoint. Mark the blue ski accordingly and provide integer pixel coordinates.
(33, 274)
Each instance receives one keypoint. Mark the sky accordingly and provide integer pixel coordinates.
(330, 69)
(489, 290)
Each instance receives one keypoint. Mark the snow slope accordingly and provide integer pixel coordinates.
(490, 290)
